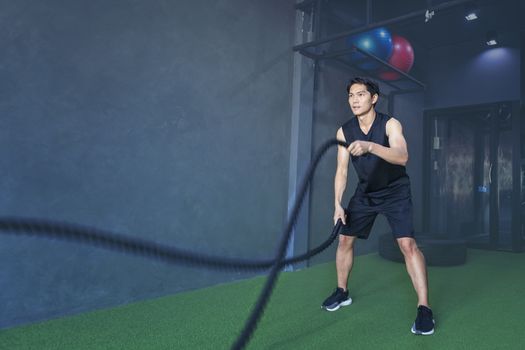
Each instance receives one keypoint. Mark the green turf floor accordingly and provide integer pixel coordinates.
(479, 305)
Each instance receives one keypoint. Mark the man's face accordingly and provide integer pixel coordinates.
(360, 100)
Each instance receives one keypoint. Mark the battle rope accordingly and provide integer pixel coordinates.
(138, 247)
(105, 239)
(250, 325)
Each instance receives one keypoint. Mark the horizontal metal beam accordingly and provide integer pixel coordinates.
(363, 72)
(391, 67)
(366, 53)
(308, 54)
(370, 26)
(408, 91)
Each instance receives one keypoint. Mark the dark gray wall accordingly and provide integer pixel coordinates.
(472, 73)
(165, 120)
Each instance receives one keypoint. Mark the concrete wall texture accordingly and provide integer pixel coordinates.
(166, 120)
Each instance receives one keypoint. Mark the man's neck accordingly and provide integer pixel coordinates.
(366, 120)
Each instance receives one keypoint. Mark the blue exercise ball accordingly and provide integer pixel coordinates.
(377, 41)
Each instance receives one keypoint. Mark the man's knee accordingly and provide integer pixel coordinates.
(346, 242)
(408, 246)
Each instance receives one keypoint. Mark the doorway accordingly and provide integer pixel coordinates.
(473, 175)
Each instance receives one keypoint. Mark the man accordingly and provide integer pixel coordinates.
(378, 151)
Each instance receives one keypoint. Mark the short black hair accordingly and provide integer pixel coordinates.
(371, 86)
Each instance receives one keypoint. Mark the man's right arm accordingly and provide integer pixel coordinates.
(341, 175)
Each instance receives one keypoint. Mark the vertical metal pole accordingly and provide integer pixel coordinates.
(300, 140)
(494, 181)
(427, 163)
(479, 168)
(516, 178)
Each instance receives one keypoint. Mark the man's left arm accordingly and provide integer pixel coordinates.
(397, 153)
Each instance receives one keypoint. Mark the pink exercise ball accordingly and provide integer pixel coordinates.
(402, 58)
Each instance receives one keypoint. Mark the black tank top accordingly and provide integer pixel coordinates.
(374, 173)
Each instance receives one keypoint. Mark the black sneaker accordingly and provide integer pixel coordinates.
(336, 300)
(424, 324)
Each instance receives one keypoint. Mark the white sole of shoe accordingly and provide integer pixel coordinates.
(344, 303)
(430, 332)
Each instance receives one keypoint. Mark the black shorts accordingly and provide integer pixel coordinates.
(393, 202)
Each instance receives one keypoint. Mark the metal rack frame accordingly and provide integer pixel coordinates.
(308, 48)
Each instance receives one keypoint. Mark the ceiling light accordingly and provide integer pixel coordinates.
(492, 38)
(471, 11)
(471, 16)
